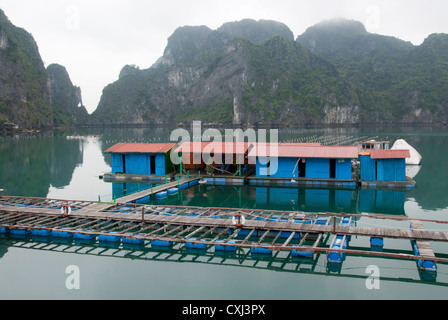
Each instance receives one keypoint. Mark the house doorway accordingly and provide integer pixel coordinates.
(152, 161)
(302, 168)
(124, 163)
(332, 168)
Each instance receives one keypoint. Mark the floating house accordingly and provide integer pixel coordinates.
(141, 158)
(224, 154)
(307, 161)
(383, 166)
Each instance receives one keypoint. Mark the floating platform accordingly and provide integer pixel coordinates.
(266, 181)
(300, 234)
(121, 177)
(408, 184)
(271, 181)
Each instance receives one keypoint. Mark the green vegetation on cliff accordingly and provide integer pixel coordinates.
(32, 96)
(23, 79)
(394, 80)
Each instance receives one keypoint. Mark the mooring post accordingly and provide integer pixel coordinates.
(143, 214)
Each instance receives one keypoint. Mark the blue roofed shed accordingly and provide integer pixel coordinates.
(310, 161)
(384, 165)
(141, 158)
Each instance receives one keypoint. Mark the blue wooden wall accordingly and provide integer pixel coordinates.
(344, 169)
(137, 163)
(284, 168)
(316, 168)
(382, 169)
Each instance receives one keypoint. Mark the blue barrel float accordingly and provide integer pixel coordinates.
(340, 242)
(19, 231)
(62, 233)
(376, 242)
(143, 200)
(161, 243)
(41, 232)
(172, 191)
(302, 253)
(4, 230)
(111, 237)
(84, 236)
(260, 250)
(189, 244)
(161, 195)
(227, 248)
(192, 183)
(129, 240)
(182, 185)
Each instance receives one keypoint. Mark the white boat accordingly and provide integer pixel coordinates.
(415, 158)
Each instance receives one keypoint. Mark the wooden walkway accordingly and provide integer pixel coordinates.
(263, 229)
(424, 247)
(101, 206)
(149, 192)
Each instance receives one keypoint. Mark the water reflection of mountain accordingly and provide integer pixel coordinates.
(29, 164)
(278, 198)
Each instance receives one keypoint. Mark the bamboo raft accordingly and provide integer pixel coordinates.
(263, 231)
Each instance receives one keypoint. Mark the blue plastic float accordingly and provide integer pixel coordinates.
(41, 232)
(128, 240)
(192, 183)
(19, 232)
(4, 230)
(84, 236)
(172, 190)
(194, 245)
(161, 195)
(183, 186)
(161, 243)
(229, 248)
(340, 242)
(61, 233)
(109, 237)
(376, 242)
(302, 253)
(260, 250)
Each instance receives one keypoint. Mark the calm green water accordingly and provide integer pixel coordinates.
(50, 165)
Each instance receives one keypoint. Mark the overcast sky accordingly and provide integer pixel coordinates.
(94, 39)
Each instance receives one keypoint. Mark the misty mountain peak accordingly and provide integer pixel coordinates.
(256, 32)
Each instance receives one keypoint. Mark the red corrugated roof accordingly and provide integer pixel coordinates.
(389, 154)
(216, 147)
(291, 150)
(141, 148)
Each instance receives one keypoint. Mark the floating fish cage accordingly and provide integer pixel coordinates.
(220, 230)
